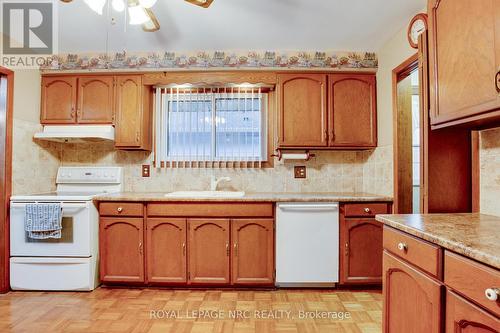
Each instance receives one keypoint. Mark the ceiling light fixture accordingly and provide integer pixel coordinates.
(201, 3)
(96, 5)
(118, 5)
(151, 25)
(147, 3)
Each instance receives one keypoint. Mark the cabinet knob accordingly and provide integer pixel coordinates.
(402, 247)
(492, 294)
(497, 81)
(367, 210)
(119, 209)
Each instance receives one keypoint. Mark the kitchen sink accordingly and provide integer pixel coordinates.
(206, 194)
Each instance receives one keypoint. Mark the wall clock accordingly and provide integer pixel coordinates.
(418, 24)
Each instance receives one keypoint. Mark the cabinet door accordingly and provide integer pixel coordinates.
(252, 259)
(166, 250)
(128, 111)
(412, 300)
(353, 110)
(95, 99)
(58, 100)
(361, 255)
(303, 111)
(464, 317)
(208, 251)
(464, 50)
(121, 249)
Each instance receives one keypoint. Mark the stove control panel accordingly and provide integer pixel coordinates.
(89, 175)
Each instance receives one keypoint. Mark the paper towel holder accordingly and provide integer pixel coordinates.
(279, 154)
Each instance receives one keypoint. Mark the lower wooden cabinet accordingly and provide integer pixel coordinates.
(209, 251)
(412, 300)
(362, 251)
(166, 250)
(252, 257)
(464, 317)
(121, 249)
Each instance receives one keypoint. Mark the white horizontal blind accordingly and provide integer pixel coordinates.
(222, 126)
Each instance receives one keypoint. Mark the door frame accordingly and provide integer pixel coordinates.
(6, 181)
(399, 73)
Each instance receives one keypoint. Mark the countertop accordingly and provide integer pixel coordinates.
(473, 235)
(261, 197)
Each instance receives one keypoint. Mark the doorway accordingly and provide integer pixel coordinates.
(6, 100)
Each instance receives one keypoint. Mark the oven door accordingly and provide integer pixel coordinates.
(75, 238)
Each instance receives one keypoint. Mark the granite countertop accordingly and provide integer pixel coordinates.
(473, 235)
(261, 197)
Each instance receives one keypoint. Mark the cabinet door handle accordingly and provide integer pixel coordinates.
(140, 248)
(346, 249)
(236, 249)
(137, 137)
(184, 249)
(492, 294)
(333, 136)
(73, 113)
(227, 249)
(402, 247)
(497, 81)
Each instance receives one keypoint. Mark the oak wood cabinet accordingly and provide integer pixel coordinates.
(464, 53)
(166, 250)
(252, 258)
(464, 317)
(58, 104)
(336, 111)
(133, 116)
(121, 249)
(352, 110)
(412, 300)
(209, 251)
(95, 99)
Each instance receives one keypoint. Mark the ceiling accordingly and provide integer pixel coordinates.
(343, 25)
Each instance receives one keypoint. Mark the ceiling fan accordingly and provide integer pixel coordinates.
(139, 11)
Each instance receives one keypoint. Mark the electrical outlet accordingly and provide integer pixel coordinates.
(299, 171)
(145, 170)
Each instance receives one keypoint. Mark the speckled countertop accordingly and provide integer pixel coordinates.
(476, 236)
(262, 197)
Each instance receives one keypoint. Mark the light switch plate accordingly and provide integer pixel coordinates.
(299, 171)
(145, 170)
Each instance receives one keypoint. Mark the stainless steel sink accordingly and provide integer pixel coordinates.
(206, 194)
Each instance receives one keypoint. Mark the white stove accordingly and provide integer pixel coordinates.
(68, 263)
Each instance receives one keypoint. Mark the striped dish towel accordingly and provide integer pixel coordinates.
(43, 220)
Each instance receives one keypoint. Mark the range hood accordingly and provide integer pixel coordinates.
(76, 133)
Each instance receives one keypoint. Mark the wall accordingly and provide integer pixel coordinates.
(34, 163)
(490, 172)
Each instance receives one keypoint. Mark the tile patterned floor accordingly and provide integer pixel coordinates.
(191, 311)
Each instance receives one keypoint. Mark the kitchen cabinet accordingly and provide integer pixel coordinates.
(121, 249)
(133, 113)
(58, 104)
(336, 111)
(412, 300)
(464, 317)
(302, 110)
(252, 258)
(464, 53)
(95, 100)
(166, 250)
(209, 251)
(352, 110)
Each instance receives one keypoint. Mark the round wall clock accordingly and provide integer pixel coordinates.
(418, 24)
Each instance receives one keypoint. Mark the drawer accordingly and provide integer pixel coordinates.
(210, 209)
(121, 209)
(365, 209)
(472, 280)
(420, 253)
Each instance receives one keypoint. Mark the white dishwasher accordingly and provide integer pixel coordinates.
(307, 244)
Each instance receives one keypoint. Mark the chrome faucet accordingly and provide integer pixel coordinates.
(214, 182)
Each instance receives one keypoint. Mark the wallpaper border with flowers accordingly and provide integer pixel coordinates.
(215, 59)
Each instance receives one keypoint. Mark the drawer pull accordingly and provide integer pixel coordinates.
(367, 210)
(492, 293)
(402, 247)
(119, 209)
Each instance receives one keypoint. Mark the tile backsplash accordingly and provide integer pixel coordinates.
(490, 172)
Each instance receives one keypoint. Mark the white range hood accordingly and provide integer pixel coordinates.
(76, 133)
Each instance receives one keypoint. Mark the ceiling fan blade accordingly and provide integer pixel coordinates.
(201, 3)
(153, 24)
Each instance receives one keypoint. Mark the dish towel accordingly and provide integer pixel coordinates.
(43, 220)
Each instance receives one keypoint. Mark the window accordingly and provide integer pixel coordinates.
(211, 124)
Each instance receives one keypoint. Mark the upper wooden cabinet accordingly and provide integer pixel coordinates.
(58, 105)
(336, 111)
(464, 51)
(95, 100)
(133, 116)
(303, 110)
(353, 110)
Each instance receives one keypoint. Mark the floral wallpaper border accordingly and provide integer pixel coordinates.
(216, 59)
